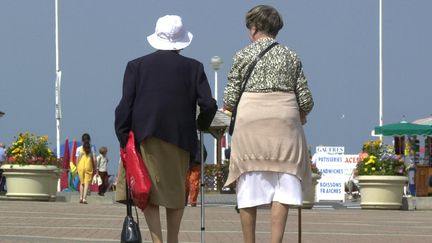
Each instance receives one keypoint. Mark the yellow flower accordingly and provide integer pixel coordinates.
(16, 150)
(371, 160)
(373, 169)
(365, 169)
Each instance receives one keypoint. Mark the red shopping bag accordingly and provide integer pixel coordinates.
(137, 176)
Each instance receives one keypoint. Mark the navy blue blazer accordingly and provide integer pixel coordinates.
(161, 92)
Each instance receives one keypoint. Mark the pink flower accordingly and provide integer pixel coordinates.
(363, 156)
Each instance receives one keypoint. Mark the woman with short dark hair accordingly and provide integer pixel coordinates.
(269, 155)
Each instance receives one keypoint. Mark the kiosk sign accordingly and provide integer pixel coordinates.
(330, 149)
(336, 169)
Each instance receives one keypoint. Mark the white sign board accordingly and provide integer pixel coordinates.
(336, 169)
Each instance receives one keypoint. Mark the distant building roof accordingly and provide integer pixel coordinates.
(220, 123)
(221, 120)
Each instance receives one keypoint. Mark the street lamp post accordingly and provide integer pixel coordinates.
(380, 66)
(216, 62)
(57, 82)
(58, 115)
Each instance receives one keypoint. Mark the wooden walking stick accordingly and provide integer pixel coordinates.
(299, 224)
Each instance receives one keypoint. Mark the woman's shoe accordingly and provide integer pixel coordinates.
(81, 201)
(84, 202)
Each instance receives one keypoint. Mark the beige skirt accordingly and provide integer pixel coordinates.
(167, 165)
(269, 136)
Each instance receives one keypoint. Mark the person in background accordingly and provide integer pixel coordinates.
(2, 153)
(193, 176)
(269, 155)
(352, 186)
(228, 152)
(101, 165)
(2, 160)
(160, 93)
(86, 166)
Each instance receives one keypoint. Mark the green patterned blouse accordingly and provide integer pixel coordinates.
(280, 69)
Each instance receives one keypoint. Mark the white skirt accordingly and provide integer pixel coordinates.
(263, 187)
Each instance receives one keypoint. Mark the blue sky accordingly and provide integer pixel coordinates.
(336, 39)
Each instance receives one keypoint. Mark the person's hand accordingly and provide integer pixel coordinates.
(227, 110)
(303, 118)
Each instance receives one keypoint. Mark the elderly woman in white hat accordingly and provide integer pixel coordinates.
(160, 93)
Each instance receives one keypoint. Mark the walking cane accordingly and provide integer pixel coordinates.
(299, 224)
(202, 186)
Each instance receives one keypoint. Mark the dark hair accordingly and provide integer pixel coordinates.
(85, 138)
(265, 18)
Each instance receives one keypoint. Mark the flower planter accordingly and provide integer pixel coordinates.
(381, 192)
(31, 182)
(309, 196)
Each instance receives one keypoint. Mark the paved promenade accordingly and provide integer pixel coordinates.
(100, 221)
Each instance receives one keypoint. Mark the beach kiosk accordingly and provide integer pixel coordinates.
(407, 144)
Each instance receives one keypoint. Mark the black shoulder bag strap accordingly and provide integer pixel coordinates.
(246, 78)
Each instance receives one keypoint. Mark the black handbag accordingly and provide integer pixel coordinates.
(248, 73)
(131, 232)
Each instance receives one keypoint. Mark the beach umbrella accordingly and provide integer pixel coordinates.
(66, 155)
(403, 128)
(64, 178)
(73, 175)
(74, 148)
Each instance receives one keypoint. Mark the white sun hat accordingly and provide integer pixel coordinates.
(170, 34)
